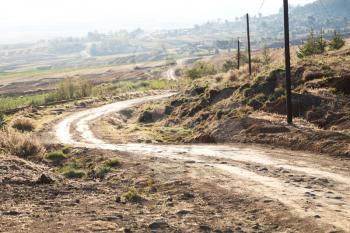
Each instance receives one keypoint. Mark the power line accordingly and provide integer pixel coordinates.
(261, 6)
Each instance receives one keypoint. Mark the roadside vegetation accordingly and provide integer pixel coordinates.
(23, 145)
(23, 124)
(71, 89)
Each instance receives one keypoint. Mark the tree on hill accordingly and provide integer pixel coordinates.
(337, 41)
(313, 45)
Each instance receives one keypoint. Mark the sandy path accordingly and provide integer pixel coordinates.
(312, 186)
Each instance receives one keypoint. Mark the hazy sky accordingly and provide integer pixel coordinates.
(28, 20)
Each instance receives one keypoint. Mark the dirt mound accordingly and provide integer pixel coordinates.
(14, 170)
(301, 104)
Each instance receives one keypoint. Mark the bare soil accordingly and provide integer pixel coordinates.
(174, 198)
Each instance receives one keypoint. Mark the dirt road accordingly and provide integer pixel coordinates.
(313, 187)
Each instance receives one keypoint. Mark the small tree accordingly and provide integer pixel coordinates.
(313, 45)
(266, 56)
(337, 41)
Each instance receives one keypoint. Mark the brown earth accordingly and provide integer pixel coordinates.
(173, 199)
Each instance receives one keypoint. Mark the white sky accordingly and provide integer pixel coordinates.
(28, 20)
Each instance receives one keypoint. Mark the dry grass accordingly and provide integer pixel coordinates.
(23, 124)
(19, 144)
(242, 73)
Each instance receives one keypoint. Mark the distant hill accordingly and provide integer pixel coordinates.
(325, 8)
(139, 46)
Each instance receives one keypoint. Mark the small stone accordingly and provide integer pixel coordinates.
(204, 227)
(187, 196)
(11, 213)
(44, 179)
(183, 212)
(158, 224)
(256, 226)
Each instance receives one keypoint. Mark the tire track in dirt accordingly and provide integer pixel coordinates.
(311, 188)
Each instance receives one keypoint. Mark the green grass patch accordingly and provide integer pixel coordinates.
(106, 167)
(132, 196)
(121, 87)
(10, 103)
(55, 156)
(71, 172)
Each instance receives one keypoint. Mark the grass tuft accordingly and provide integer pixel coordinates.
(23, 124)
(21, 145)
(132, 196)
(106, 167)
(55, 156)
(71, 172)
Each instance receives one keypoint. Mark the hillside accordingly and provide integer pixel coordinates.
(232, 107)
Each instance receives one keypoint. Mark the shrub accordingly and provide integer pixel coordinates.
(70, 89)
(200, 69)
(313, 45)
(55, 156)
(132, 196)
(21, 145)
(23, 124)
(337, 41)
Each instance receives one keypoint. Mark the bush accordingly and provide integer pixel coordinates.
(55, 156)
(200, 69)
(23, 124)
(337, 41)
(314, 45)
(132, 196)
(21, 145)
(70, 89)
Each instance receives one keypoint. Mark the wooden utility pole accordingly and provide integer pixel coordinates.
(249, 51)
(238, 54)
(287, 61)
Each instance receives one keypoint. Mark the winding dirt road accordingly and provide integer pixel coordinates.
(312, 186)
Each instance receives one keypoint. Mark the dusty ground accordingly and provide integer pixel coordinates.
(223, 188)
(311, 187)
(177, 196)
